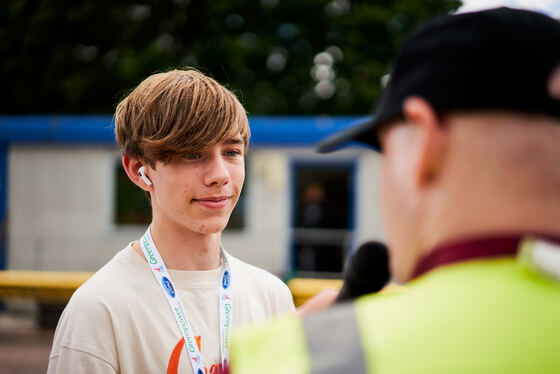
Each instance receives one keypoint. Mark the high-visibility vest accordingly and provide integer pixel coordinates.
(481, 316)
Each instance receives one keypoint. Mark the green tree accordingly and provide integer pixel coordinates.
(281, 56)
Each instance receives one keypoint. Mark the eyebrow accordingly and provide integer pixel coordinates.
(234, 141)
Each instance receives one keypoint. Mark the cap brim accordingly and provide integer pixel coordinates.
(359, 133)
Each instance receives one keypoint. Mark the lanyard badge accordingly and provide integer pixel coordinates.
(226, 303)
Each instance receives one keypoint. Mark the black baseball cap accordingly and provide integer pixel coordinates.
(499, 58)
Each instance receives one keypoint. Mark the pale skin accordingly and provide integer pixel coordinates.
(553, 84)
(464, 175)
(320, 301)
(192, 199)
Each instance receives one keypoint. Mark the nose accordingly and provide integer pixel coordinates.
(216, 172)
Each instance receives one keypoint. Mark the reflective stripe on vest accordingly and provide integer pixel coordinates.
(333, 342)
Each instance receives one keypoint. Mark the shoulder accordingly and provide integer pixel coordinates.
(123, 270)
(256, 349)
(305, 344)
(256, 276)
(262, 284)
(106, 291)
(88, 323)
(111, 281)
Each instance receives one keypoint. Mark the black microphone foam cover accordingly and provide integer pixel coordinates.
(367, 271)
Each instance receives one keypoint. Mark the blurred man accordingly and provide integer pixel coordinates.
(469, 127)
(167, 302)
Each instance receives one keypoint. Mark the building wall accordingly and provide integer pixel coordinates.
(60, 208)
(369, 224)
(61, 201)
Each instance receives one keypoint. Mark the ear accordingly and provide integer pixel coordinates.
(553, 85)
(131, 166)
(431, 139)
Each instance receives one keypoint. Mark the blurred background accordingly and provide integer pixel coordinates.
(302, 68)
(282, 56)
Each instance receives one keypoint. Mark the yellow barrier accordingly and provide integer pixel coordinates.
(52, 289)
(57, 287)
(44, 286)
(304, 288)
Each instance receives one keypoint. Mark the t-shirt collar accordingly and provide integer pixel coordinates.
(471, 249)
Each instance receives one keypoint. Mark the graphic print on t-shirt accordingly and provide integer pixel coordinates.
(173, 365)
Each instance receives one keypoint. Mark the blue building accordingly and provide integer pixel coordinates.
(66, 205)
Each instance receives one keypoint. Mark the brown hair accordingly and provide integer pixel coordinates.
(176, 113)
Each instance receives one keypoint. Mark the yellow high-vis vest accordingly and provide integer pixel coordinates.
(485, 315)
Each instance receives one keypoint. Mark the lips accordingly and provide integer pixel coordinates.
(212, 202)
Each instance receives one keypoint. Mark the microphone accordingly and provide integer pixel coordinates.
(367, 271)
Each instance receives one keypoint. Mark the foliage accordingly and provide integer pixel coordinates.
(83, 56)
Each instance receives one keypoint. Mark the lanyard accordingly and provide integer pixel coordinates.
(226, 303)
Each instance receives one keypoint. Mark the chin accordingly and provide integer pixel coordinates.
(211, 227)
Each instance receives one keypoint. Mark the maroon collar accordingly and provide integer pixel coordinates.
(492, 246)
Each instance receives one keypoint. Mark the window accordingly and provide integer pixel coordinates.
(132, 205)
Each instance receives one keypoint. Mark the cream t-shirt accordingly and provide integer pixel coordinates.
(119, 321)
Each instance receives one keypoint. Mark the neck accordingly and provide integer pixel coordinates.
(185, 249)
(500, 176)
(500, 214)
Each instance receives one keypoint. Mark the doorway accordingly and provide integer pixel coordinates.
(322, 217)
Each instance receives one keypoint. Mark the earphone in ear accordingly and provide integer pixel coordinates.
(142, 174)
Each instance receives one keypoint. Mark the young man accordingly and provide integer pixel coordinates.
(469, 128)
(167, 302)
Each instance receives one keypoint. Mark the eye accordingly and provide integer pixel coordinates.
(192, 156)
(232, 153)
